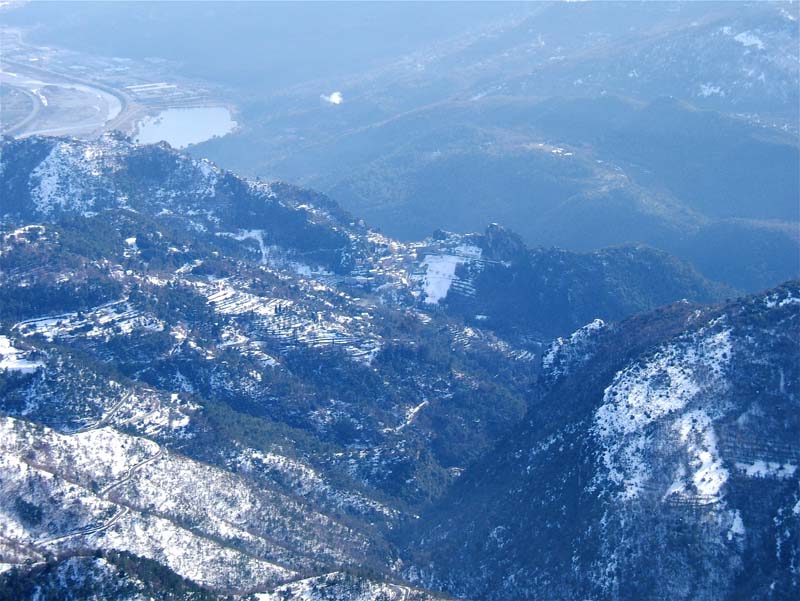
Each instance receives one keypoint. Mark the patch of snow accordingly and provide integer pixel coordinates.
(42, 98)
(737, 527)
(209, 172)
(410, 415)
(767, 469)
(564, 354)
(337, 585)
(748, 39)
(114, 318)
(13, 359)
(678, 375)
(306, 481)
(56, 183)
(258, 236)
(440, 271)
(696, 432)
(708, 89)
(775, 300)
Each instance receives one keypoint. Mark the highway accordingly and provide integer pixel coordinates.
(56, 115)
(36, 106)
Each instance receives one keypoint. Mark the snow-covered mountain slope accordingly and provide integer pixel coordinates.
(100, 488)
(339, 586)
(99, 577)
(664, 466)
(247, 387)
(124, 577)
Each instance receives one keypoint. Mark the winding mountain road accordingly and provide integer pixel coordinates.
(132, 471)
(123, 511)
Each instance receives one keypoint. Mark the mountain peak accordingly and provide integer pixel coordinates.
(501, 244)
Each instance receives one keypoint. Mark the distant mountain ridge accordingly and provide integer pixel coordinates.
(52, 179)
(579, 126)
